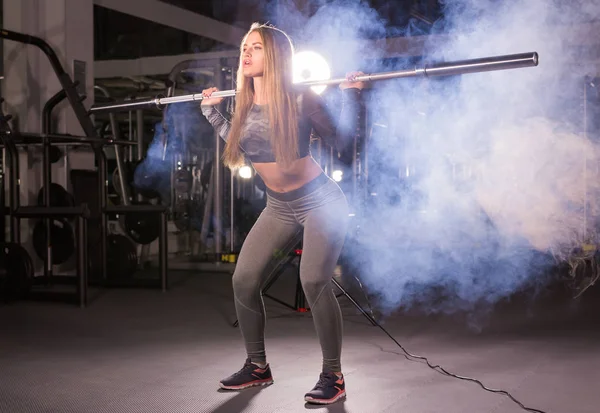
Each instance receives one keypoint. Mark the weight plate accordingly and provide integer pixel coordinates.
(59, 196)
(18, 275)
(55, 154)
(121, 257)
(62, 238)
(142, 227)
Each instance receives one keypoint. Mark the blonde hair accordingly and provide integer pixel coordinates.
(279, 93)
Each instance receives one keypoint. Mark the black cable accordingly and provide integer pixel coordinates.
(444, 371)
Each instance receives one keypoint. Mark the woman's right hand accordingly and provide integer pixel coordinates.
(207, 100)
(350, 81)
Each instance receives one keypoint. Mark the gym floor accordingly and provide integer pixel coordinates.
(136, 350)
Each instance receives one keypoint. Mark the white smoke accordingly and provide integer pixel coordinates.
(502, 179)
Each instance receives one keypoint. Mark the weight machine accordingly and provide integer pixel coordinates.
(140, 228)
(18, 278)
(212, 205)
(202, 192)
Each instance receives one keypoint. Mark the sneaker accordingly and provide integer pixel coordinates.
(250, 375)
(329, 389)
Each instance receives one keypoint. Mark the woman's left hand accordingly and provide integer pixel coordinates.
(350, 81)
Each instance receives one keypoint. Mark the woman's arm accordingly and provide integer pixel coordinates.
(337, 133)
(209, 109)
(217, 120)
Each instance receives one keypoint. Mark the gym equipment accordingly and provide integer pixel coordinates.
(116, 132)
(139, 179)
(144, 190)
(16, 277)
(62, 236)
(182, 181)
(55, 154)
(151, 175)
(82, 213)
(115, 182)
(181, 215)
(485, 64)
(122, 259)
(142, 227)
(188, 214)
(59, 196)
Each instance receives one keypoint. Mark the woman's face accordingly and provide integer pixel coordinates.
(253, 55)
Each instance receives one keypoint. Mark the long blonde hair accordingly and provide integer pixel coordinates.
(279, 92)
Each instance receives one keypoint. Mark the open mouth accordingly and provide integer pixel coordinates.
(247, 62)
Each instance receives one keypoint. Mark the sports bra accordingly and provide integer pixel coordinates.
(314, 115)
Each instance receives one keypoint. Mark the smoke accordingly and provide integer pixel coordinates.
(182, 129)
(478, 184)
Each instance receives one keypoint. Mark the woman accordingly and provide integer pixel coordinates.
(272, 125)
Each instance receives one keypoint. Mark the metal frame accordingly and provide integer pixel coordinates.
(217, 65)
(10, 141)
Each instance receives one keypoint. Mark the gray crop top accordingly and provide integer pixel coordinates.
(314, 115)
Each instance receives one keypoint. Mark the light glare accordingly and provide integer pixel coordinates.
(337, 175)
(310, 66)
(245, 172)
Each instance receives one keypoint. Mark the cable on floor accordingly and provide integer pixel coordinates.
(438, 368)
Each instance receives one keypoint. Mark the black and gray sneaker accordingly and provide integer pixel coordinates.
(329, 389)
(250, 375)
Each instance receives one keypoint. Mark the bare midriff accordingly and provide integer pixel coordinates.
(286, 179)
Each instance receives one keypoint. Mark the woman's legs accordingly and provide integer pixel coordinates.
(325, 220)
(324, 234)
(268, 238)
(320, 207)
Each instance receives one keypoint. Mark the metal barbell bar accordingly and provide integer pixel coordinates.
(485, 64)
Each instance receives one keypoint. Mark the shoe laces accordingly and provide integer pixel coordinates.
(248, 366)
(324, 381)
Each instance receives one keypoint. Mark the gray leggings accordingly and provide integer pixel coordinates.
(321, 210)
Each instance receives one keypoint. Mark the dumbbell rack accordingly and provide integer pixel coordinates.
(81, 212)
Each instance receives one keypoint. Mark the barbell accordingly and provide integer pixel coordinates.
(486, 64)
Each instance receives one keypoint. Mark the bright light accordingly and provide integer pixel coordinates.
(245, 172)
(337, 175)
(311, 66)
